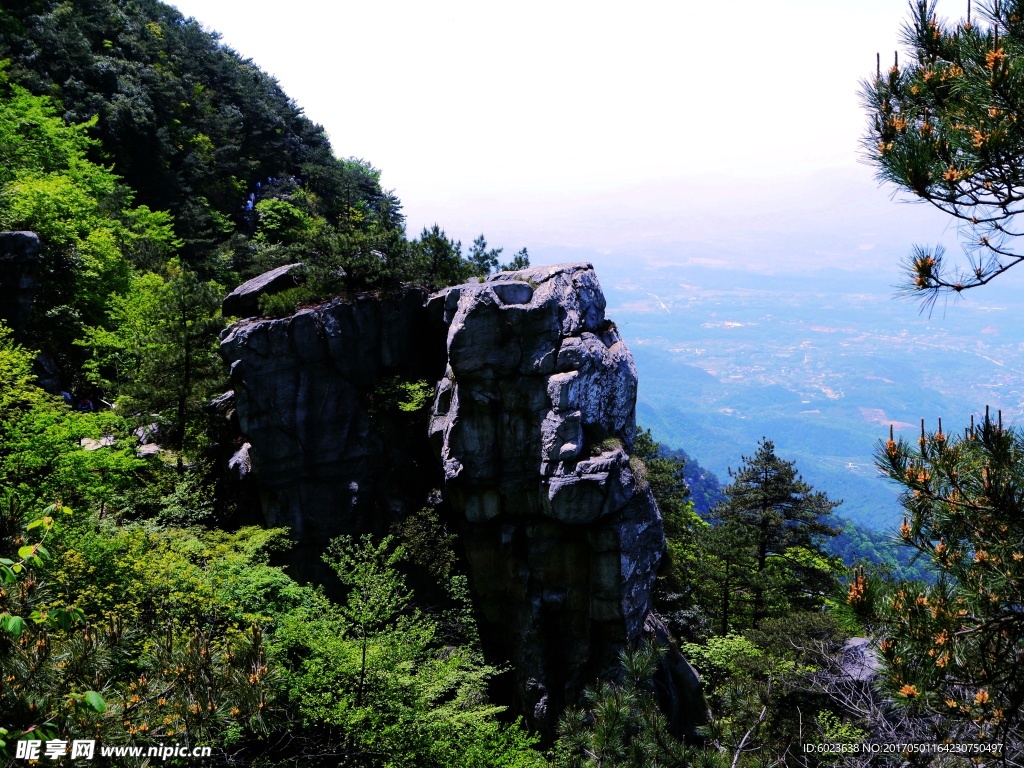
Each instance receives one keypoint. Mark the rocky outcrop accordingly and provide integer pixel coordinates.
(244, 301)
(534, 421)
(19, 265)
(19, 270)
(313, 396)
(530, 431)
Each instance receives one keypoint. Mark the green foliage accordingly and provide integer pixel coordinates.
(147, 631)
(163, 638)
(280, 220)
(80, 210)
(521, 260)
(23, 616)
(954, 646)
(833, 730)
(666, 476)
(286, 302)
(439, 260)
(725, 657)
(188, 123)
(619, 722)
(484, 261)
(427, 542)
(375, 676)
(605, 445)
(160, 353)
(393, 394)
(786, 521)
(704, 488)
(763, 556)
(190, 500)
(945, 128)
(416, 395)
(41, 456)
(724, 562)
(761, 685)
(857, 545)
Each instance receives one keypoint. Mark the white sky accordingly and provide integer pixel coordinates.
(536, 122)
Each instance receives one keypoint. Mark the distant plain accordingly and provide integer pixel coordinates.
(821, 362)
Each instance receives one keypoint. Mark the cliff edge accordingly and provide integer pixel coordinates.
(528, 437)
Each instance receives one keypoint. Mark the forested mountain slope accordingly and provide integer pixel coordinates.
(187, 123)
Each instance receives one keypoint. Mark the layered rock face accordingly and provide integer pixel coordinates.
(330, 453)
(529, 435)
(533, 421)
(19, 264)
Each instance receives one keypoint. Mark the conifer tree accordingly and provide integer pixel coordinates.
(956, 646)
(161, 355)
(947, 126)
(785, 519)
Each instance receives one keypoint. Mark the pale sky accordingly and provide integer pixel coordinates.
(591, 123)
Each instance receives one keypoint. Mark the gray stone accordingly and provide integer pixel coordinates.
(19, 267)
(860, 660)
(538, 401)
(92, 444)
(329, 454)
(240, 463)
(244, 301)
(47, 373)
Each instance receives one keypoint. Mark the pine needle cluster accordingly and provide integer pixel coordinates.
(957, 646)
(948, 127)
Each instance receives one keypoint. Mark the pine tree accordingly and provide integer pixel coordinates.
(619, 722)
(947, 128)
(484, 260)
(161, 355)
(956, 646)
(785, 520)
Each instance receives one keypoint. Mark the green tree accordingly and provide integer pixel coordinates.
(440, 260)
(376, 592)
(91, 233)
(664, 474)
(786, 521)
(484, 260)
(160, 352)
(521, 260)
(375, 684)
(618, 723)
(946, 127)
(725, 567)
(136, 636)
(41, 454)
(956, 646)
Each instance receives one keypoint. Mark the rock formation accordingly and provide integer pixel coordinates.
(19, 269)
(534, 420)
(244, 301)
(328, 449)
(19, 264)
(530, 430)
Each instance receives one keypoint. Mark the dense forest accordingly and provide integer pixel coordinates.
(142, 604)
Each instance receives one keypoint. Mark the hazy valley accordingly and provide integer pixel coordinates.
(819, 362)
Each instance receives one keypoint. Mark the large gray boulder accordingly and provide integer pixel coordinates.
(328, 456)
(244, 301)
